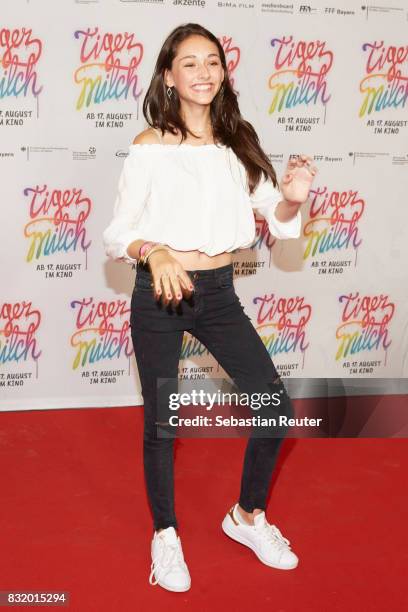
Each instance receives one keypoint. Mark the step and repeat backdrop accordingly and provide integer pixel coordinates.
(327, 80)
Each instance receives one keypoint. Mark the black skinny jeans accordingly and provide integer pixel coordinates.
(215, 316)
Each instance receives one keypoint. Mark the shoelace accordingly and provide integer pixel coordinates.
(274, 535)
(172, 553)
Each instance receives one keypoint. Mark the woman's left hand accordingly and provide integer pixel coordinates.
(298, 178)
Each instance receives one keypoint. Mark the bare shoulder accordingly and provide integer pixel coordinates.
(148, 136)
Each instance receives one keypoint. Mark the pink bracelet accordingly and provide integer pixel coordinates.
(145, 246)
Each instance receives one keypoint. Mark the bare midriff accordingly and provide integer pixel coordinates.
(195, 260)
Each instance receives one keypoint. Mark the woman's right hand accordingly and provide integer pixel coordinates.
(170, 281)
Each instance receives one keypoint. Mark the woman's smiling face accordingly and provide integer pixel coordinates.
(197, 72)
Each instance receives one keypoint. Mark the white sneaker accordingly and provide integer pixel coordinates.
(264, 539)
(168, 566)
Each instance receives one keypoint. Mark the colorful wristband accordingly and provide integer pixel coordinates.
(145, 247)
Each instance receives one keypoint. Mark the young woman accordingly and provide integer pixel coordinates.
(185, 203)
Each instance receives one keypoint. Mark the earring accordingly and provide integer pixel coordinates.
(169, 93)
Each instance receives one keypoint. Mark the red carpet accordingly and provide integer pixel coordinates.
(74, 517)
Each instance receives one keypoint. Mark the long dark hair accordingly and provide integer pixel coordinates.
(228, 125)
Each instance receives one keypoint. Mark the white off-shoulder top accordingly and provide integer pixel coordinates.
(190, 197)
